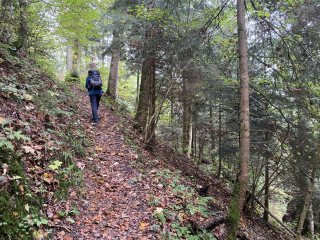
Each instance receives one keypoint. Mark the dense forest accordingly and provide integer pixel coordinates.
(228, 87)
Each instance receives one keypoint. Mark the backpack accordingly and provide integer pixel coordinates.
(95, 79)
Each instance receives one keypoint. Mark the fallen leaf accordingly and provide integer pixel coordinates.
(30, 107)
(2, 120)
(28, 149)
(143, 225)
(159, 210)
(67, 237)
(48, 177)
(50, 213)
(28, 97)
(81, 165)
(99, 148)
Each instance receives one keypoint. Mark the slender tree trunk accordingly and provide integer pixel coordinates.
(69, 59)
(309, 194)
(212, 135)
(220, 141)
(112, 89)
(151, 123)
(311, 220)
(266, 191)
(75, 59)
(138, 90)
(21, 43)
(187, 115)
(238, 200)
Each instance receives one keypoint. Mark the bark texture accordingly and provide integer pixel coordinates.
(4, 20)
(187, 122)
(21, 43)
(76, 59)
(69, 59)
(112, 89)
(145, 119)
(240, 191)
(308, 198)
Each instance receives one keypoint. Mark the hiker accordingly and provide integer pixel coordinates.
(94, 87)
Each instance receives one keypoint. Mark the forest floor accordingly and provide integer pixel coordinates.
(121, 180)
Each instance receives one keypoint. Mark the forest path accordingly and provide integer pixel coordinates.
(113, 203)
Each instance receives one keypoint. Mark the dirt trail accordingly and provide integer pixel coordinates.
(114, 203)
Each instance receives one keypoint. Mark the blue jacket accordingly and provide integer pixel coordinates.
(91, 90)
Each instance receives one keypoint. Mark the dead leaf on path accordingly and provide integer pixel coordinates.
(67, 237)
(38, 147)
(73, 194)
(159, 210)
(115, 164)
(30, 107)
(99, 149)
(28, 149)
(143, 225)
(48, 177)
(2, 120)
(50, 213)
(81, 165)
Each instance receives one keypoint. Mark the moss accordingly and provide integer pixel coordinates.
(13, 200)
(234, 215)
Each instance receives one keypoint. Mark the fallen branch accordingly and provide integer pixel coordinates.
(209, 223)
(275, 218)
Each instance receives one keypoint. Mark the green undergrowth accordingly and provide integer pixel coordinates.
(185, 205)
(40, 138)
(175, 211)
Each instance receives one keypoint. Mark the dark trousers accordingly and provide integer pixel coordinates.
(94, 100)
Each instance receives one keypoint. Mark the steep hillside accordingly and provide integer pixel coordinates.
(39, 140)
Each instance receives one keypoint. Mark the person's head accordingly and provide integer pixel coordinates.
(92, 66)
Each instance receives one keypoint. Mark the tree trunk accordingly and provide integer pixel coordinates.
(112, 89)
(311, 221)
(69, 59)
(212, 135)
(138, 90)
(220, 138)
(21, 43)
(308, 198)
(266, 191)
(239, 193)
(145, 119)
(4, 20)
(187, 115)
(75, 59)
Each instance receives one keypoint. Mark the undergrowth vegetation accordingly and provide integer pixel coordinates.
(40, 137)
(175, 220)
